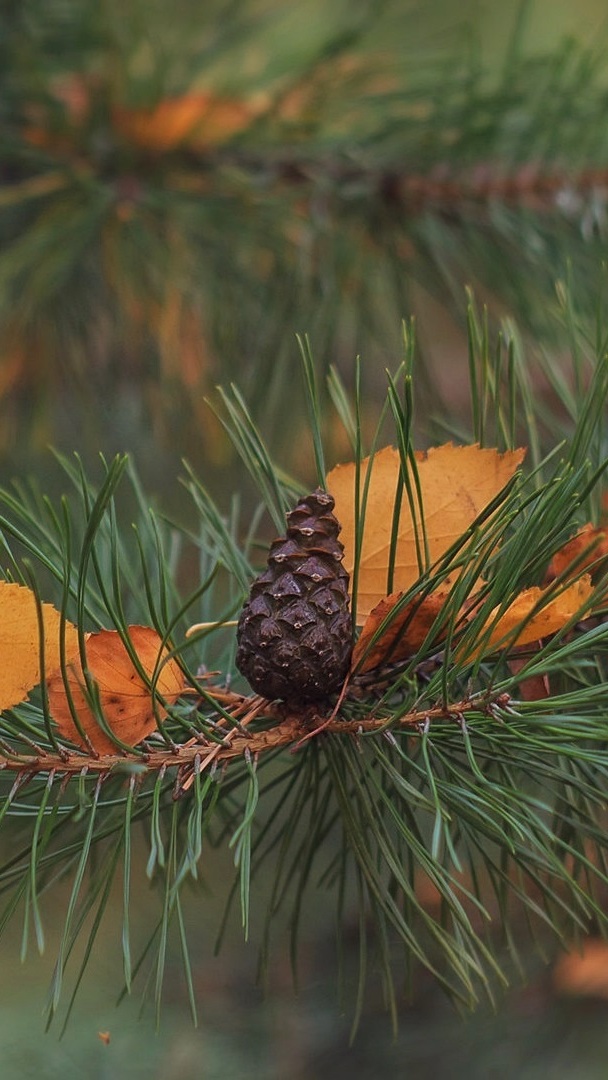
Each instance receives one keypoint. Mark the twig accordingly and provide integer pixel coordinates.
(287, 732)
(547, 189)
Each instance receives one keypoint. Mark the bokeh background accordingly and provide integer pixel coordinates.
(185, 187)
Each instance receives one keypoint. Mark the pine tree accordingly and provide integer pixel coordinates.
(171, 213)
(165, 213)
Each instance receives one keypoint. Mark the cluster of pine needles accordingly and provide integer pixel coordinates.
(431, 803)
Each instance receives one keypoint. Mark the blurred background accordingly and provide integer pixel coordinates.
(183, 189)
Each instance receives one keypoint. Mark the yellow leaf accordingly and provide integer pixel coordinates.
(20, 642)
(125, 697)
(547, 620)
(457, 483)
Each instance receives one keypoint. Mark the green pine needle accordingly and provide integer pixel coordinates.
(460, 789)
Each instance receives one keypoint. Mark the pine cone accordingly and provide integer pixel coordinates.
(294, 633)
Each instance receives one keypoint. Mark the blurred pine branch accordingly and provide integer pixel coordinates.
(182, 191)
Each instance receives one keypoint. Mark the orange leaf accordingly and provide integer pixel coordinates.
(20, 642)
(546, 620)
(584, 972)
(589, 542)
(456, 483)
(403, 635)
(125, 697)
(195, 120)
(532, 687)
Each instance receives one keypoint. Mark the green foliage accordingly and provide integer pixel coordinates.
(438, 805)
(389, 159)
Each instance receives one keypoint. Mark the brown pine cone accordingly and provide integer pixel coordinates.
(294, 633)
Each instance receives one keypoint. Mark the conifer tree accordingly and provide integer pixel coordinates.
(177, 197)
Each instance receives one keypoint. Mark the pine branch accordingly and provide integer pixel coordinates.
(289, 731)
(429, 767)
(446, 189)
(343, 177)
(339, 184)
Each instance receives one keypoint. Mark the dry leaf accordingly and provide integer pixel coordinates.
(125, 697)
(532, 687)
(196, 120)
(404, 634)
(589, 542)
(456, 483)
(547, 620)
(584, 973)
(20, 642)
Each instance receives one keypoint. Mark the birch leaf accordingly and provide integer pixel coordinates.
(403, 634)
(533, 624)
(125, 696)
(587, 545)
(456, 482)
(20, 642)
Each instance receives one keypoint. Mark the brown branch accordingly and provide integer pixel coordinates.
(197, 754)
(444, 188)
